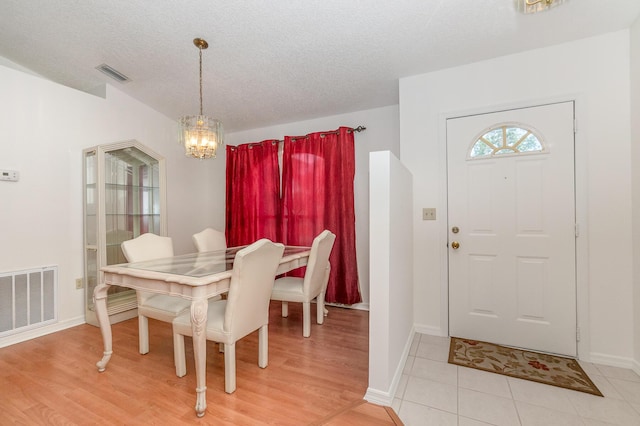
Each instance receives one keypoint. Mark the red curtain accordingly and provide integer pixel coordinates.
(253, 193)
(317, 183)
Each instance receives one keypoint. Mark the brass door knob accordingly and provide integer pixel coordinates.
(455, 245)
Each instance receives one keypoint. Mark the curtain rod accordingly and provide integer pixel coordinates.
(356, 129)
(275, 141)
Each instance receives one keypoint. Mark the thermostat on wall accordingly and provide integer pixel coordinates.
(9, 175)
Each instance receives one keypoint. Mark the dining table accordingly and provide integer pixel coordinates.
(196, 277)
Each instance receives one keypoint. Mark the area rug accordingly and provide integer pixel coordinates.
(543, 368)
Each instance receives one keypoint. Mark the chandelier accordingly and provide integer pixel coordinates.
(200, 135)
(533, 6)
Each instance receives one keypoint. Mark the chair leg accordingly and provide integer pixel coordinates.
(306, 319)
(320, 308)
(143, 334)
(263, 346)
(229, 367)
(179, 357)
(285, 309)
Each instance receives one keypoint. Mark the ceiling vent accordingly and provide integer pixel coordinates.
(114, 74)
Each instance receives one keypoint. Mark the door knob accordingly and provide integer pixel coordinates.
(455, 245)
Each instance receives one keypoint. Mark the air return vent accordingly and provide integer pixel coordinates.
(113, 73)
(27, 299)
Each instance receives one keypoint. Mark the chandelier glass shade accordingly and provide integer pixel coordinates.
(534, 6)
(201, 135)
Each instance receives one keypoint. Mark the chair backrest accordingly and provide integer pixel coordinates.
(317, 274)
(252, 277)
(209, 240)
(146, 247)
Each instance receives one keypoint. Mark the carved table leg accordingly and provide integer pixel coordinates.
(100, 305)
(198, 326)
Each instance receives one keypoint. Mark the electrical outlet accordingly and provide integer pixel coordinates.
(79, 284)
(429, 214)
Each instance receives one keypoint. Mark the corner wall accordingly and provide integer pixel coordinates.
(594, 72)
(45, 126)
(635, 160)
(391, 270)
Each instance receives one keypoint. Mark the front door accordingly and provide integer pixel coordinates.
(511, 219)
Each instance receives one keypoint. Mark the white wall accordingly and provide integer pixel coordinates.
(391, 237)
(594, 72)
(45, 126)
(635, 161)
(382, 134)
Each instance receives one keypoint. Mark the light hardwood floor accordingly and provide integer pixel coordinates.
(53, 379)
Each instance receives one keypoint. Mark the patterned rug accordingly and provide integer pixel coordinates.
(548, 369)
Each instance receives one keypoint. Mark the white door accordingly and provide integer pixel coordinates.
(511, 219)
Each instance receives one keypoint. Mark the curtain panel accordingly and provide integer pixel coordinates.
(252, 193)
(318, 173)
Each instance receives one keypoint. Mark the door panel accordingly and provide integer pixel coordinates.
(512, 279)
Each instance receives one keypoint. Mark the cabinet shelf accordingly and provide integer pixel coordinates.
(125, 187)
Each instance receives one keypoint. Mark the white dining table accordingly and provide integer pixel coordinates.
(195, 277)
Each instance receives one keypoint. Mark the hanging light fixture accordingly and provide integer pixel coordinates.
(533, 6)
(200, 135)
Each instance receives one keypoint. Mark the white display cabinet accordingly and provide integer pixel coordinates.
(124, 197)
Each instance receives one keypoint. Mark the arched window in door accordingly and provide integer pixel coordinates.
(506, 139)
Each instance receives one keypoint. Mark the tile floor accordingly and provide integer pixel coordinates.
(434, 392)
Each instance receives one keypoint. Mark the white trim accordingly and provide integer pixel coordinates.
(581, 183)
(358, 306)
(614, 361)
(42, 331)
(380, 397)
(431, 331)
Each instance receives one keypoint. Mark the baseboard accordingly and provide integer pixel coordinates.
(359, 306)
(378, 397)
(614, 361)
(42, 331)
(385, 397)
(430, 330)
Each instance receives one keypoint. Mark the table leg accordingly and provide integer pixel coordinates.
(199, 335)
(100, 305)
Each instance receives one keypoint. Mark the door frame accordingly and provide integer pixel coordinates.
(580, 164)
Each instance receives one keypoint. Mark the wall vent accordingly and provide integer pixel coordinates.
(113, 73)
(28, 299)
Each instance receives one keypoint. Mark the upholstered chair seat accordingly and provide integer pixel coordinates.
(312, 286)
(161, 307)
(245, 310)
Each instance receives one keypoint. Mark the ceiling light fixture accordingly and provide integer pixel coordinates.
(533, 6)
(200, 135)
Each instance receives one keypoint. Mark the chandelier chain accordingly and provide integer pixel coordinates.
(201, 135)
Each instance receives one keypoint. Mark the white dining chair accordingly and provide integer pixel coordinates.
(161, 307)
(312, 286)
(209, 239)
(245, 310)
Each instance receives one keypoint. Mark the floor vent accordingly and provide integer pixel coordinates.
(28, 299)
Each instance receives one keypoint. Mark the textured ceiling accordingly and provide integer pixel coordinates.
(278, 61)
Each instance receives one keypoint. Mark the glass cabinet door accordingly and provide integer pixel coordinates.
(124, 198)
